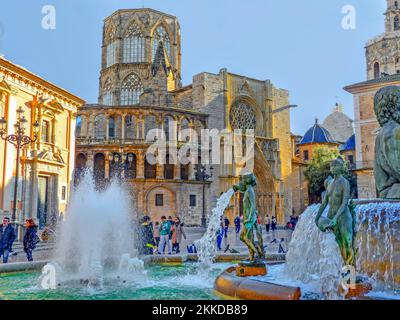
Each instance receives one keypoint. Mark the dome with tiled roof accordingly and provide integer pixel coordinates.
(317, 134)
(350, 144)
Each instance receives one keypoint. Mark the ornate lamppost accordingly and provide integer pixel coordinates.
(201, 175)
(19, 140)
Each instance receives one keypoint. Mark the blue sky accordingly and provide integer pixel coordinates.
(299, 45)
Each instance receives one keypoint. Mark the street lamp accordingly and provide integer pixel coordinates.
(19, 140)
(201, 175)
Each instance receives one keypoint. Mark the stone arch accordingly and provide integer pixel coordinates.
(164, 25)
(250, 102)
(80, 167)
(169, 207)
(99, 167)
(377, 72)
(265, 189)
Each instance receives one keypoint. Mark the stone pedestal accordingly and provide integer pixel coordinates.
(251, 269)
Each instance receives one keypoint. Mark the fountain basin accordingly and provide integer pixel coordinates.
(379, 240)
(230, 286)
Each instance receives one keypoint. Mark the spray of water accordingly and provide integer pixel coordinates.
(314, 256)
(206, 246)
(96, 239)
(377, 242)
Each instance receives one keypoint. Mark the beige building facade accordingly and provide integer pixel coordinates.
(47, 165)
(140, 89)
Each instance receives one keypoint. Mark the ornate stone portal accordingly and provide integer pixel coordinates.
(387, 144)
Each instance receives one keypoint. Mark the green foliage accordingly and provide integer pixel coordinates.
(319, 170)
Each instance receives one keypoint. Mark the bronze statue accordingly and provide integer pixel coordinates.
(387, 143)
(341, 215)
(250, 214)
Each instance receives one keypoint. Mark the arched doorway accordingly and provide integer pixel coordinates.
(80, 167)
(99, 168)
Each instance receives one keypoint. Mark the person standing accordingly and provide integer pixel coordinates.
(156, 233)
(171, 224)
(226, 222)
(146, 236)
(267, 223)
(273, 226)
(30, 238)
(237, 226)
(177, 235)
(165, 231)
(7, 238)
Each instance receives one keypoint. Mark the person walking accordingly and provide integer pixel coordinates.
(177, 235)
(7, 238)
(273, 226)
(220, 236)
(31, 239)
(267, 223)
(227, 223)
(237, 226)
(165, 231)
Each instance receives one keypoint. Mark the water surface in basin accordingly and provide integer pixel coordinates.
(161, 282)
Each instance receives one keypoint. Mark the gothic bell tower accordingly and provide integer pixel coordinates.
(383, 51)
(392, 16)
(141, 53)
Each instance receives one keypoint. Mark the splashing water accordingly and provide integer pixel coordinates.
(96, 238)
(206, 246)
(377, 242)
(314, 256)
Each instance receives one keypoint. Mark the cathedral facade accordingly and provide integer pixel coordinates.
(141, 89)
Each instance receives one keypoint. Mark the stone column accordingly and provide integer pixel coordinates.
(160, 171)
(140, 164)
(107, 166)
(192, 172)
(123, 126)
(177, 171)
(107, 125)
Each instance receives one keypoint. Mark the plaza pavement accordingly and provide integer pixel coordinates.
(44, 250)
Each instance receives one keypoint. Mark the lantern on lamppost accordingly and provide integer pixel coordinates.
(19, 140)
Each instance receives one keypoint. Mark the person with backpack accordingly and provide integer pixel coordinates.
(31, 238)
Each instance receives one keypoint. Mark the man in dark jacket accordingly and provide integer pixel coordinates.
(7, 237)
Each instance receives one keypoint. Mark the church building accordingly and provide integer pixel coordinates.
(141, 89)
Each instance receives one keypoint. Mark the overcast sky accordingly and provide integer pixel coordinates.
(300, 45)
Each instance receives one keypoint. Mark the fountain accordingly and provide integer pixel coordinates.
(345, 248)
(96, 239)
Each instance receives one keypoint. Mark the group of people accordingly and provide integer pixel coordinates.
(292, 222)
(222, 231)
(165, 234)
(8, 236)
